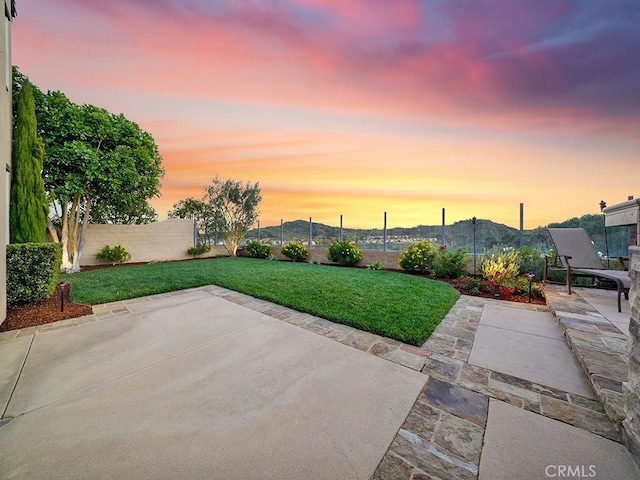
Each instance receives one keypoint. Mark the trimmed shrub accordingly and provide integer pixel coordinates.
(117, 254)
(199, 249)
(296, 251)
(450, 263)
(32, 272)
(344, 253)
(418, 257)
(258, 250)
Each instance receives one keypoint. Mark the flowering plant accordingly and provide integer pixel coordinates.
(345, 253)
(449, 263)
(296, 251)
(418, 257)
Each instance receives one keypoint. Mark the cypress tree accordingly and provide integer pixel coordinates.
(28, 204)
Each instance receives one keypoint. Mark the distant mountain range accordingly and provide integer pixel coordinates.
(488, 234)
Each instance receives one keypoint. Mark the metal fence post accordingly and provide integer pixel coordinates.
(341, 228)
(281, 232)
(474, 221)
(384, 234)
(521, 225)
(310, 232)
(444, 238)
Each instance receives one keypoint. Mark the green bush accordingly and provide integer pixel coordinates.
(531, 261)
(199, 249)
(344, 253)
(450, 263)
(32, 272)
(296, 251)
(418, 257)
(258, 250)
(113, 255)
(375, 266)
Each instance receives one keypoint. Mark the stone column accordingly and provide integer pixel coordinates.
(631, 388)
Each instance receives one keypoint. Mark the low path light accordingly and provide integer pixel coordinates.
(64, 288)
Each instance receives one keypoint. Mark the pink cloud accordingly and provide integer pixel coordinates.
(486, 63)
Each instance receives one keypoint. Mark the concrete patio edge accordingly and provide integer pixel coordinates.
(598, 345)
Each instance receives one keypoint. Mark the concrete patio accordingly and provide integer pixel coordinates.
(209, 383)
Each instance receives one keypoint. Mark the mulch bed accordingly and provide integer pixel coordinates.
(510, 298)
(42, 313)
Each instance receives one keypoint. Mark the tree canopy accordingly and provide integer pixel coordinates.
(236, 207)
(203, 214)
(228, 208)
(97, 166)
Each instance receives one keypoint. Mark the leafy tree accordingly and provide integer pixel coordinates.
(236, 207)
(201, 212)
(126, 210)
(28, 203)
(95, 160)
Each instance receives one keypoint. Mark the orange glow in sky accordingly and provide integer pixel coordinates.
(356, 108)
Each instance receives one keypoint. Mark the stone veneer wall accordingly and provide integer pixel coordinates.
(631, 388)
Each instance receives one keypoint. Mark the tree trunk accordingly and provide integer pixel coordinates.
(82, 234)
(53, 233)
(64, 219)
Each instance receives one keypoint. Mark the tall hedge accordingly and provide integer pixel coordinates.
(28, 203)
(32, 272)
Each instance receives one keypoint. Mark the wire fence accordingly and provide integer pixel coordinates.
(475, 236)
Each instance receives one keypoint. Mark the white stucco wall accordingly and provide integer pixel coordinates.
(5, 149)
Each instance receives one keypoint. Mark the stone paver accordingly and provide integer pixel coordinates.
(529, 345)
(552, 448)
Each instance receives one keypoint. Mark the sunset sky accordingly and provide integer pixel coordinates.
(357, 107)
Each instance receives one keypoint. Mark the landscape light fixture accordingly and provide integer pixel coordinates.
(531, 276)
(64, 288)
(603, 205)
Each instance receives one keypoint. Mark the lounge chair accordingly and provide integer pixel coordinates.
(578, 257)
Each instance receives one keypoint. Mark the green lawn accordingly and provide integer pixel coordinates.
(404, 307)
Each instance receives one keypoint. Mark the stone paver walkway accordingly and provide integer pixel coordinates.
(598, 345)
(443, 435)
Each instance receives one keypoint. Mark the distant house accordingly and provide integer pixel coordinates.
(5, 144)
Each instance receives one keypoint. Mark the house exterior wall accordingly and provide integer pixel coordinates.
(6, 129)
